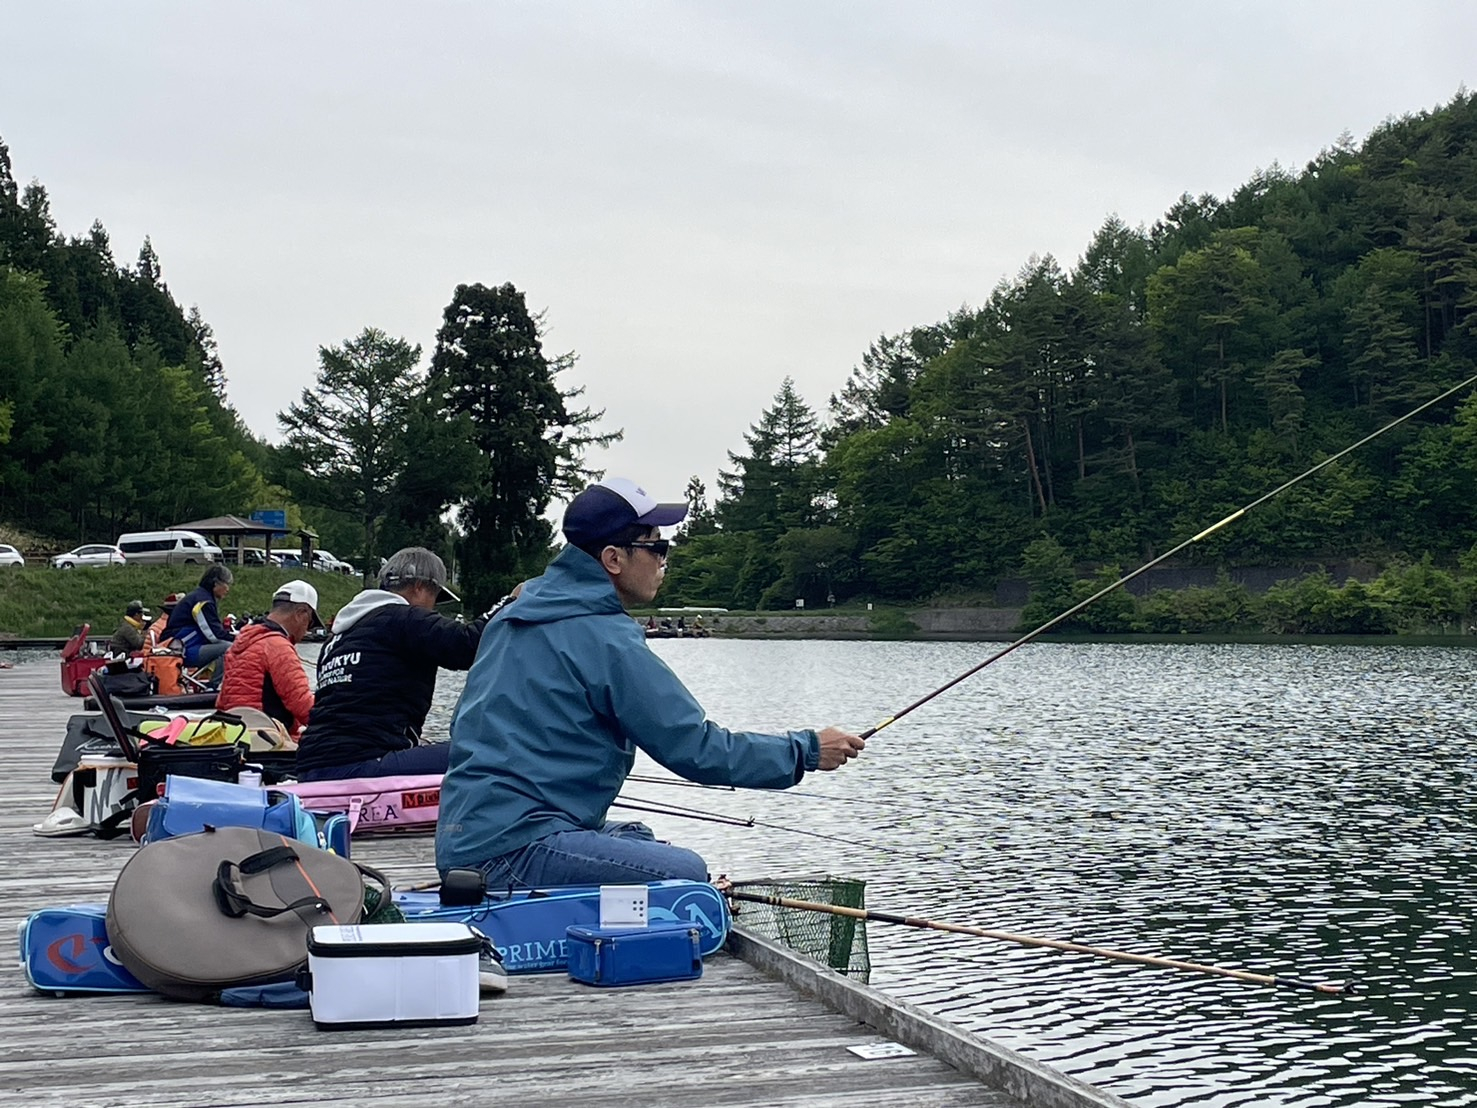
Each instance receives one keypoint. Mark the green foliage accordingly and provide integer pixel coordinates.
(491, 380)
(1224, 608)
(774, 486)
(890, 623)
(346, 445)
(1314, 605)
(1053, 581)
(1173, 376)
(1421, 597)
(41, 602)
(111, 394)
(1113, 613)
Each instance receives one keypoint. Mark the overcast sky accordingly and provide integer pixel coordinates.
(703, 197)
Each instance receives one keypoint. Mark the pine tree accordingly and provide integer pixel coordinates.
(490, 367)
(347, 434)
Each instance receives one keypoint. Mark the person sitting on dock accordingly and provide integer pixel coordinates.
(156, 634)
(195, 624)
(263, 670)
(563, 692)
(129, 638)
(377, 674)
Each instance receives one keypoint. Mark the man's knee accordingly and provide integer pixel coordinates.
(682, 864)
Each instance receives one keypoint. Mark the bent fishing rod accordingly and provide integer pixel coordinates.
(1031, 636)
(1051, 944)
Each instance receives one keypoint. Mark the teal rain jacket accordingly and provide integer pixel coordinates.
(563, 691)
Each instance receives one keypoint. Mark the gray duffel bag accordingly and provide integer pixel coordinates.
(228, 907)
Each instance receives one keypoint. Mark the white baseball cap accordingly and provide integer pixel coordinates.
(300, 592)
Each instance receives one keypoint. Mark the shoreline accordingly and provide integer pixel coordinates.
(988, 625)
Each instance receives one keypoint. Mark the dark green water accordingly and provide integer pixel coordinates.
(1292, 810)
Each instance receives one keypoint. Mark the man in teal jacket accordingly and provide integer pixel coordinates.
(564, 690)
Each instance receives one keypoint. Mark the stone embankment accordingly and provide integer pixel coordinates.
(919, 623)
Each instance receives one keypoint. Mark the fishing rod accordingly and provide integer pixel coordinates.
(662, 808)
(679, 782)
(1031, 636)
(636, 804)
(1031, 940)
(889, 803)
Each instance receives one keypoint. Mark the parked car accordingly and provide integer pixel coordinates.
(167, 548)
(327, 563)
(10, 556)
(251, 556)
(93, 554)
(287, 560)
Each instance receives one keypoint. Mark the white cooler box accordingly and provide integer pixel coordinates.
(393, 975)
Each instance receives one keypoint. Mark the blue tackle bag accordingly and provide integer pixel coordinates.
(190, 804)
(65, 950)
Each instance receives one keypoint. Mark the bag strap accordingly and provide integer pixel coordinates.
(112, 827)
(380, 879)
(231, 898)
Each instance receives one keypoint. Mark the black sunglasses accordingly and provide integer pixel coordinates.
(659, 547)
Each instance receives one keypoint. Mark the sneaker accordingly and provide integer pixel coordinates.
(492, 977)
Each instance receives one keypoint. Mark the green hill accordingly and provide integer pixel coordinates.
(41, 602)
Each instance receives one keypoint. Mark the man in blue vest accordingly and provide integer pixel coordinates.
(563, 692)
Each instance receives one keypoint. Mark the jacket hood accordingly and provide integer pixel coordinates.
(370, 600)
(575, 584)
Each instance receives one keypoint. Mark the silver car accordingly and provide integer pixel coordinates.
(10, 556)
(92, 554)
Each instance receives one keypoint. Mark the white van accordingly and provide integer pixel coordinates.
(167, 548)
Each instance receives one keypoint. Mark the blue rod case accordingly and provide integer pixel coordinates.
(530, 928)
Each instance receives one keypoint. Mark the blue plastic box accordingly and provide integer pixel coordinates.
(614, 956)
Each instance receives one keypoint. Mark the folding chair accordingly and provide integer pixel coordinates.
(128, 738)
(155, 762)
(192, 679)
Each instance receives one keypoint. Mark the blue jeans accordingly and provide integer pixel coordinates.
(427, 758)
(619, 853)
(205, 653)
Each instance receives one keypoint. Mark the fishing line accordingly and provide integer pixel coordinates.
(662, 808)
(1031, 636)
(1032, 940)
(886, 802)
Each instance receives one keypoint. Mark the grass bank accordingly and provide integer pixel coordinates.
(40, 602)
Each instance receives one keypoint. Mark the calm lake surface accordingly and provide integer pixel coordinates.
(1307, 811)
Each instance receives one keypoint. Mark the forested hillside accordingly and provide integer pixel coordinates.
(1081, 419)
(114, 416)
(1116, 408)
(112, 411)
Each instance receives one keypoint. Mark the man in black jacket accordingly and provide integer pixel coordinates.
(377, 674)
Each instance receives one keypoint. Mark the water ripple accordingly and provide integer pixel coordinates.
(1304, 811)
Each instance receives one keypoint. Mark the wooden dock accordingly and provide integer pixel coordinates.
(762, 1027)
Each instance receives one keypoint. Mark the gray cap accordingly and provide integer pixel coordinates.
(413, 565)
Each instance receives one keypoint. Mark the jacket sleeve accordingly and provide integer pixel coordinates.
(449, 642)
(286, 670)
(657, 713)
(208, 621)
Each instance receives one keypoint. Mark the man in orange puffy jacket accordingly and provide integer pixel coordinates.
(263, 670)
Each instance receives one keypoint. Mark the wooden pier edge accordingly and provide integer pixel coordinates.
(994, 1065)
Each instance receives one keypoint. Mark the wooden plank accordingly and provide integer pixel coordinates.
(735, 1037)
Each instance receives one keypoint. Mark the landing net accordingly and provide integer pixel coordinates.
(836, 941)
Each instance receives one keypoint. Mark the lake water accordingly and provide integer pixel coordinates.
(1305, 811)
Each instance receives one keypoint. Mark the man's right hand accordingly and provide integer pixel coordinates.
(838, 747)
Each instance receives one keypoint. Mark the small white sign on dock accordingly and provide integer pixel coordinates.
(873, 1051)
